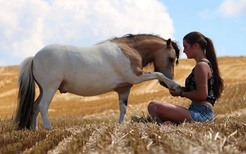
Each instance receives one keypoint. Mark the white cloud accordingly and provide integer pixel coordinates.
(21, 27)
(231, 8)
(28, 25)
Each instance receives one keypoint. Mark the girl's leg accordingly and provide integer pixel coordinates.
(168, 112)
(152, 107)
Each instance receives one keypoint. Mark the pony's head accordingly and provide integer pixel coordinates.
(165, 59)
(153, 49)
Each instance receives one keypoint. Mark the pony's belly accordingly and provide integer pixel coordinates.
(91, 90)
(90, 86)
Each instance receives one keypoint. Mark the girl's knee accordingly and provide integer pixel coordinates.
(153, 103)
(151, 106)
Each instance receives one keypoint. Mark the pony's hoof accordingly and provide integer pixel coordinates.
(34, 129)
(48, 128)
(178, 88)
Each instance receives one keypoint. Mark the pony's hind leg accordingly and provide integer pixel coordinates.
(34, 122)
(48, 94)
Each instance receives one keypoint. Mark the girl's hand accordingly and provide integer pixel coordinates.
(174, 93)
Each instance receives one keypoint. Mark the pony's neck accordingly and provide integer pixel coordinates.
(148, 48)
(145, 45)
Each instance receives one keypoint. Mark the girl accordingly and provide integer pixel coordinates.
(203, 86)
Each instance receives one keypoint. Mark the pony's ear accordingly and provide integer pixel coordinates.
(169, 43)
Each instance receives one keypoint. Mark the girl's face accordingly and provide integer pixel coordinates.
(188, 50)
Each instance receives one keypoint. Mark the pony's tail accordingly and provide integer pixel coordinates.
(26, 95)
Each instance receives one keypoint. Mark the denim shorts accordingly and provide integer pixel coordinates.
(201, 113)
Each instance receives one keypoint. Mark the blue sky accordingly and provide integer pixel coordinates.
(28, 25)
(227, 28)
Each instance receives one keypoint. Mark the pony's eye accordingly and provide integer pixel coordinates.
(171, 59)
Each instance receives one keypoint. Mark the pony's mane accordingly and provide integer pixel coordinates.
(136, 36)
(139, 35)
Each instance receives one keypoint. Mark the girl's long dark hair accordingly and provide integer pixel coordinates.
(207, 46)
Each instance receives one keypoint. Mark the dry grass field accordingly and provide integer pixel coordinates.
(89, 124)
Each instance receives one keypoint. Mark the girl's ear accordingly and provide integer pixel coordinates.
(195, 45)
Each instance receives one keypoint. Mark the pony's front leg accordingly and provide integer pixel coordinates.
(170, 83)
(123, 97)
(157, 75)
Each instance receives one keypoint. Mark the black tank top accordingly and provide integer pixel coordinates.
(190, 84)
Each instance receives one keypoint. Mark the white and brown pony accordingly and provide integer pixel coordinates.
(113, 65)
